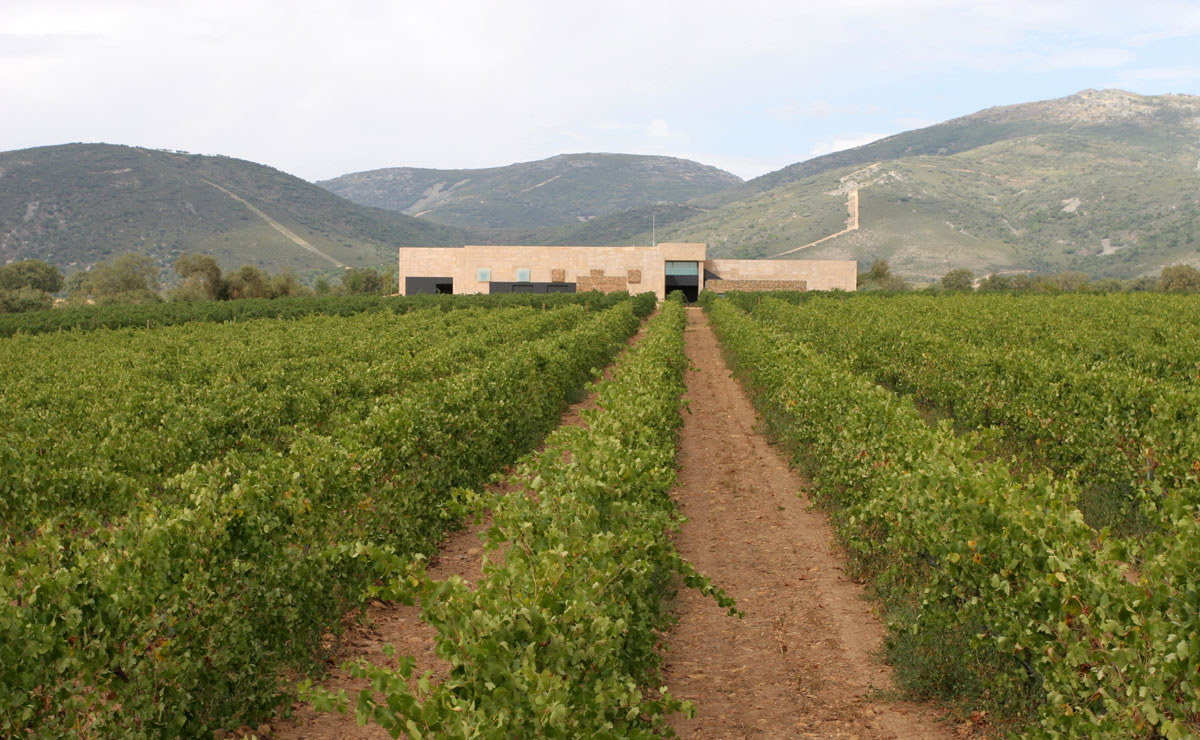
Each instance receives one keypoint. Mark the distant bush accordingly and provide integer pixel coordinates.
(24, 299)
(33, 274)
(27, 285)
(960, 280)
(1179, 278)
(130, 278)
(881, 277)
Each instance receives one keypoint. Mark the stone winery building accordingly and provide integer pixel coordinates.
(660, 269)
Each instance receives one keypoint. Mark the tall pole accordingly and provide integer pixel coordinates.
(653, 229)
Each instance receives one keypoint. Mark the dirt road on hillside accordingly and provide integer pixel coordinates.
(802, 663)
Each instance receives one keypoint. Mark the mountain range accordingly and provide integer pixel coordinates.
(1105, 182)
(76, 204)
(569, 188)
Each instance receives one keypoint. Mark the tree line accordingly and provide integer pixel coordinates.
(29, 285)
(1174, 278)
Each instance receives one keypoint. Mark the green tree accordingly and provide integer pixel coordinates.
(994, 283)
(24, 299)
(879, 272)
(285, 284)
(248, 282)
(1179, 278)
(130, 278)
(362, 281)
(33, 274)
(961, 280)
(1020, 282)
(201, 278)
(1139, 284)
(881, 277)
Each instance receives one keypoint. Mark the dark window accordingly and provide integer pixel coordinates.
(499, 287)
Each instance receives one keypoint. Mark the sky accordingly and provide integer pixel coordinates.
(319, 89)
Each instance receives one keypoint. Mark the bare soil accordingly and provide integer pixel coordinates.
(803, 662)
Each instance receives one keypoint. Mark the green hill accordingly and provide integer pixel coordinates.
(76, 204)
(560, 191)
(1102, 182)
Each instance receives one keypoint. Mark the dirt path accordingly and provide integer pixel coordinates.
(852, 188)
(801, 663)
(285, 231)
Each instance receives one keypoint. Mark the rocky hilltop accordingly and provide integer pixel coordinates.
(1097, 107)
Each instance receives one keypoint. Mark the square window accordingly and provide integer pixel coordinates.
(484, 274)
(523, 275)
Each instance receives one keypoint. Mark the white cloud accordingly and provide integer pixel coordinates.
(820, 109)
(320, 88)
(846, 141)
(1182, 75)
(1083, 59)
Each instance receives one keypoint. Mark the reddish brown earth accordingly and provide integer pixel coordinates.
(802, 663)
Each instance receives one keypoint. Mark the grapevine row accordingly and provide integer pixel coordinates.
(95, 418)
(182, 616)
(560, 634)
(1125, 434)
(994, 580)
(1157, 335)
(157, 315)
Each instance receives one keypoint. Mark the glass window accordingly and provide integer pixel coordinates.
(691, 269)
(523, 275)
(484, 274)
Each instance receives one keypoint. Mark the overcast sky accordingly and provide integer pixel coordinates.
(319, 89)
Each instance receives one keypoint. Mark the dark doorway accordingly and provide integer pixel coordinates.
(428, 285)
(690, 292)
(683, 277)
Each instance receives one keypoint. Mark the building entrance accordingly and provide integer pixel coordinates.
(683, 276)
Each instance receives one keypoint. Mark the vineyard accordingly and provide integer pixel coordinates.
(190, 503)
(1018, 477)
(121, 315)
(187, 510)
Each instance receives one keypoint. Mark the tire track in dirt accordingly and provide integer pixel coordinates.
(802, 663)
